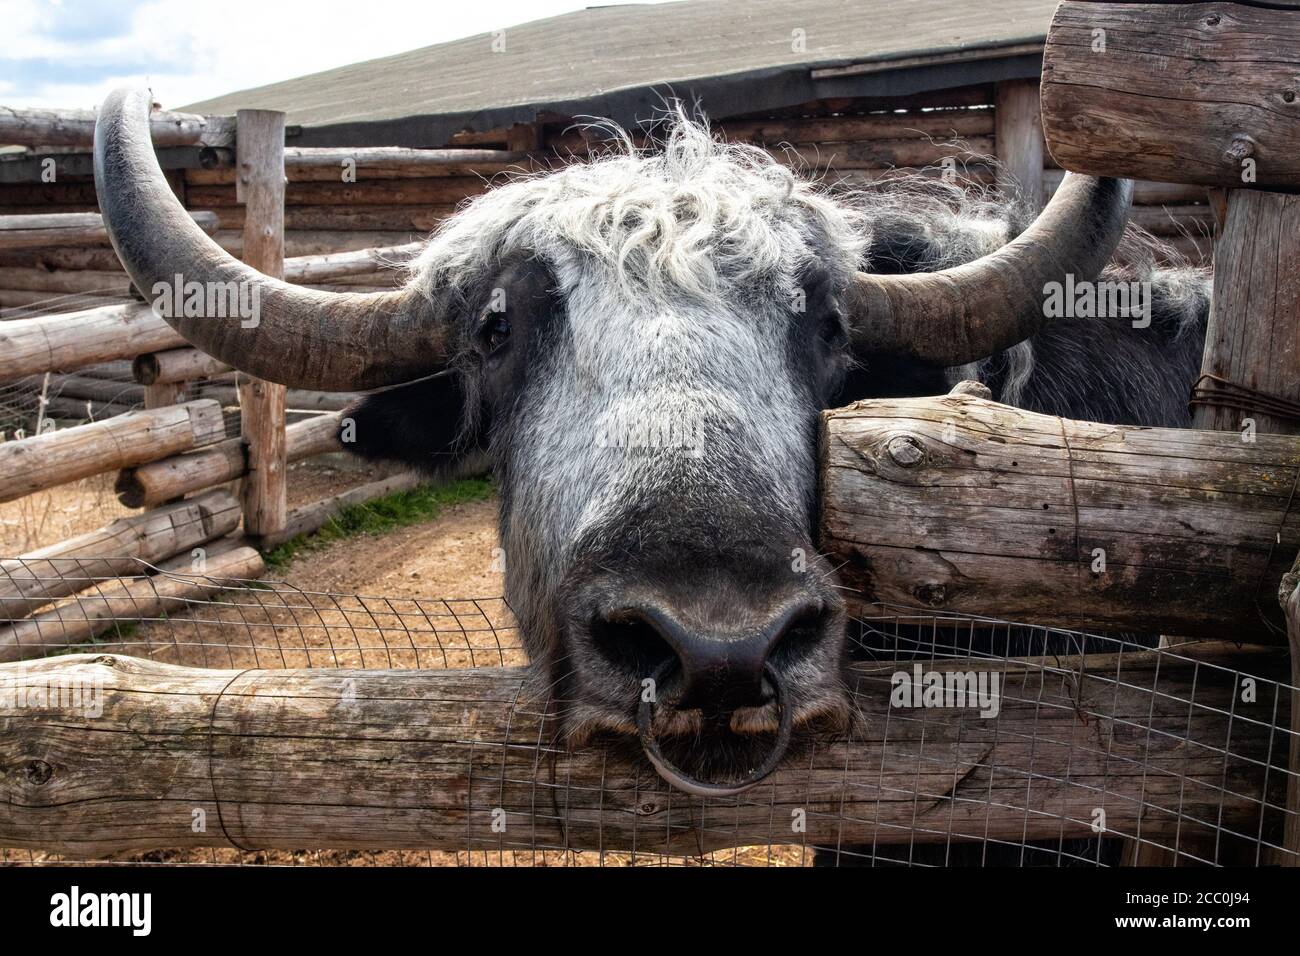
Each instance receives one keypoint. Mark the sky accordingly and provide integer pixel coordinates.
(69, 53)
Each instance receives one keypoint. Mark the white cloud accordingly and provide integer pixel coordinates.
(69, 53)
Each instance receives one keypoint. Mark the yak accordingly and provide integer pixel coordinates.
(641, 345)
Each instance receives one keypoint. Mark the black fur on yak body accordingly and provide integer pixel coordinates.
(603, 262)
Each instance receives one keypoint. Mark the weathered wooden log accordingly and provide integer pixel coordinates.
(160, 481)
(296, 398)
(312, 517)
(944, 124)
(105, 754)
(82, 409)
(422, 192)
(33, 580)
(64, 342)
(37, 127)
(20, 304)
(318, 242)
(302, 270)
(417, 219)
(65, 281)
(85, 387)
(68, 229)
(1187, 93)
(182, 579)
(261, 189)
(337, 265)
(965, 505)
(885, 153)
(52, 259)
(58, 457)
(175, 365)
(1252, 344)
(379, 162)
(33, 165)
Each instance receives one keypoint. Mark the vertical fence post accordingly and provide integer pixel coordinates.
(1253, 343)
(260, 185)
(1018, 138)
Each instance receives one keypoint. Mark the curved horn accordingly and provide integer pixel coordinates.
(302, 338)
(972, 311)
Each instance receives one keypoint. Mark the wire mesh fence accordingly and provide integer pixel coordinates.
(1064, 748)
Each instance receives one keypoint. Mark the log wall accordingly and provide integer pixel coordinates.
(394, 196)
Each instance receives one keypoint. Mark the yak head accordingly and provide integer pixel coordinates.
(642, 344)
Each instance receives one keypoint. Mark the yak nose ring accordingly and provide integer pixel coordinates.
(701, 788)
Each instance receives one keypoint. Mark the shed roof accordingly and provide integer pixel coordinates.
(734, 56)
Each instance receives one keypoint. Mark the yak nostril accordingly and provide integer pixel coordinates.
(630, 643)
(719, 672)
(801, 638)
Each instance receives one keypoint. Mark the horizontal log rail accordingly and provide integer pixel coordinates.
(69, 341)
(58, 457)
(180, 580)
(69, 229)
(168, 478)
(64, 127)
(174, 366)
(461, 760)
(33, 580)
(100, 390)
(60, 343)
(308, 269)
(964, 505)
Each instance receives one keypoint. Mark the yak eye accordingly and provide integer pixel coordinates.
(833, 331)
(493, 331)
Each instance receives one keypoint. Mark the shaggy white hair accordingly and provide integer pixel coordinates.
(693, 216)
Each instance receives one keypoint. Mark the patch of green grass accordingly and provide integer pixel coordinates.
(398, 510)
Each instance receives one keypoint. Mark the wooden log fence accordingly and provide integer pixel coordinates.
(1222, 113)
(430, 759)
(37, 127)
(173, 366)
(963, 505)
(33, 580)
(68, 229)
(58, 457)
(106, 605)
(168, 478)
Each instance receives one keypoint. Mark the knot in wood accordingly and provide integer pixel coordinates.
(973, 389)
(37, 771)
(1241, 147)
(905, 450)
(931, 595)
(105, 661)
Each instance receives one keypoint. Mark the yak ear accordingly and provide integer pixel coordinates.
(422, 424)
